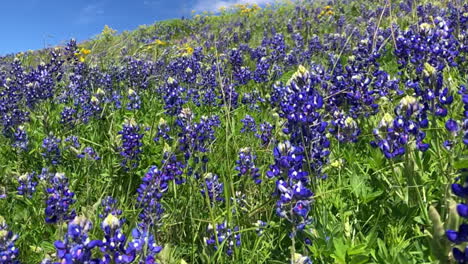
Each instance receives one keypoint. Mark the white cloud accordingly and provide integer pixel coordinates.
(90, 12)
(215, 5)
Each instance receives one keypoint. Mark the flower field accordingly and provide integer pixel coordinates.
(295, 132)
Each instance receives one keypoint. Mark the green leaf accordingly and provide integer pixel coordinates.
(360, 259)
(357, 250)
(461, 164)
(340, 251)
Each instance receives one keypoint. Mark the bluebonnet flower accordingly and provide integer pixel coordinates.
(299, 24)
(452, 127)
(315, 44)
(185, 68)
(252, 99)
(8, 251)
(265, 133)
(109, 204)
(242, 75)
(195, 137)
(89, 153)
(73, 141)
(51, 146)
(287, 157)
(260, 227)
(278, 46)
(247, 35)
(154, 184)
(291, 185)
(295, 199)
(289, 26)
(239, 199)
(259, 53)
(143, 244)
(28, 184)
(209, 84)
(460, 236)
(235, 37)
(261, 73)
(464, 122)
(344, 128)
(291, 59)
(433, 44)
(70, 50)
(391, 145)
(173, 168)
(173, 97)
(21, 139)
(40, 83)
(300, 103)
(76, 247)
(68, 116)
(3, 193)
(134, 101)
(394, 134)
(230, 97)
(59, 199)
(300, 259)
(246, 165)
(113, 244)
(138, 72)
(465, 131)
(235, 58)
(163, 131)
(116, 98)
(212, 188)
(225, 236)
(249, 124)
(131, 144)
(45, 175)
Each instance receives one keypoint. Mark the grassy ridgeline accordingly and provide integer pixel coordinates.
(287, 133)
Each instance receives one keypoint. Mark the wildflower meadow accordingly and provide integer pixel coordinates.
(292, 132)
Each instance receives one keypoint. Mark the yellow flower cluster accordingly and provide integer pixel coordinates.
(326, 11)
(186, 50)
(160, 42)
(82, 53)
(247, 9)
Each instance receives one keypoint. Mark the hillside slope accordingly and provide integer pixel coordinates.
(324, 132)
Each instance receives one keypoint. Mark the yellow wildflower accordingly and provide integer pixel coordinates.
(321, 14)
(187, 50)
(160, 42)
(85, 51)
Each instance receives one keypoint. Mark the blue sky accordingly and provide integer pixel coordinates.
(33, 24)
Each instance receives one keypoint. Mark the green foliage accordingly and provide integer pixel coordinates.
(369, 209)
